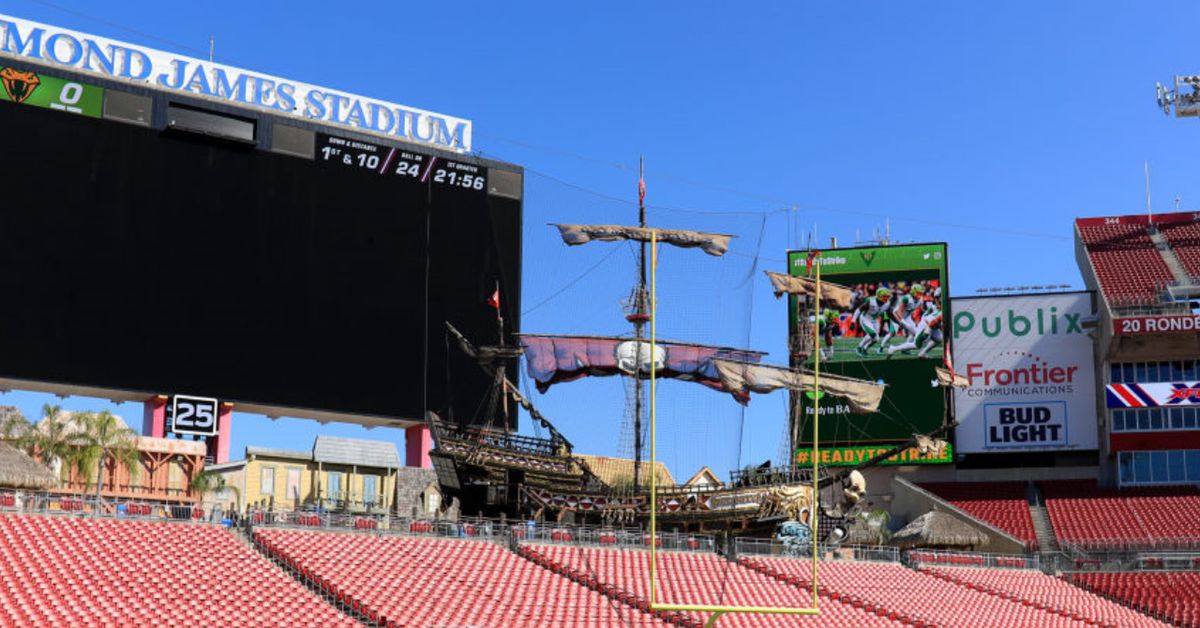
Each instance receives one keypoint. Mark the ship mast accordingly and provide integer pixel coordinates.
(639, 317)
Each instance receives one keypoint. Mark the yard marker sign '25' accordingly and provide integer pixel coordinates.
(193, 415)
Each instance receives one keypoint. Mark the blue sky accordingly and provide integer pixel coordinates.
(986, 126)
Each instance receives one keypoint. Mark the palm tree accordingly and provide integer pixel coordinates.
(52, 441)
(877, 521)
(15, 428)
(212, 482)
(103, 437)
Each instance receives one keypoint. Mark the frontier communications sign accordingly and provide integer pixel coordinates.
(1029, 363)
(107, 57)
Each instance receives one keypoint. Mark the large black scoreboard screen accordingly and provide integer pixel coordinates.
(244, 259)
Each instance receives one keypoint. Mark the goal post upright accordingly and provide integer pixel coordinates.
(816, 448)
(717, 610)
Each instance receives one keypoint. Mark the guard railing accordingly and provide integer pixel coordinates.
(947, 558)
(771, 547)
(42, 503)
(629, 538)
(484, 528)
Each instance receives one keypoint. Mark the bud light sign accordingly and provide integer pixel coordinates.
(1022, 424)
(1031, 373)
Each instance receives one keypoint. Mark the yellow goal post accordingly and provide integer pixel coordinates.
(719, 610)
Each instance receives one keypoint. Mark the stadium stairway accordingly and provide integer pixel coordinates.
(610, 591)
(1047, 542)
(1042, 527)
(1164, 248)
(357, 613)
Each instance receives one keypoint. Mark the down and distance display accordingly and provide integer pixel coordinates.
(400, 162)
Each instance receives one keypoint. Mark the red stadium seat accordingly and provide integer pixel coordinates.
(94, 572)
(701, 578)
(423, 581)
(1127, 265)
(1034, 588)
(1172, 595)
(926, 599)
(1088, 516)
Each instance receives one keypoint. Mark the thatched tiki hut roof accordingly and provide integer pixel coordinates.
(937, 529)
(18, 470)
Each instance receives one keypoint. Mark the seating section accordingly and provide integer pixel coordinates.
(1002, 504)
(1047, 592)
(1130, 270)
(699, 578)
(926, 599)
(1174, 596)
(1184, 238)
(1096, 518)
(406, 581)
(60, 571)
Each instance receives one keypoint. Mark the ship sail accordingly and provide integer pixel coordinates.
(554, 359)
(714, 244)
(863, 396)
(831, 293)
(949, 379)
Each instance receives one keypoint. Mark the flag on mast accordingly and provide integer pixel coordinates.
(494, 300)
(809, 262)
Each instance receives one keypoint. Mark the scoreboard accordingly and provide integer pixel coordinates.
(164, 243)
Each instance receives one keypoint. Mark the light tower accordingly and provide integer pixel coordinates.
(1185, 96)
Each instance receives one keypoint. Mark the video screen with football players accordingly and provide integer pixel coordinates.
(892, 316)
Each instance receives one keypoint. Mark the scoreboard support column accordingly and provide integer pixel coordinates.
(218, 445)
(154, 416)
(199, 418)
(417, 443)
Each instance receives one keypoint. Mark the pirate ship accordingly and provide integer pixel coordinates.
(493, 471)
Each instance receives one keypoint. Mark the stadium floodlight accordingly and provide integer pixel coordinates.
(1185, 96)
(718, 610)
(1165, 96)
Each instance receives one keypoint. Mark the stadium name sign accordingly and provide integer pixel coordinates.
(1155, 324)
(98, 55)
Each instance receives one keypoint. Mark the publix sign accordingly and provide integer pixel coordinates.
(1031, 373)
(81, 52)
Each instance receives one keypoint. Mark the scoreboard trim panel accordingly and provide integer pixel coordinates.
(264, 119)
